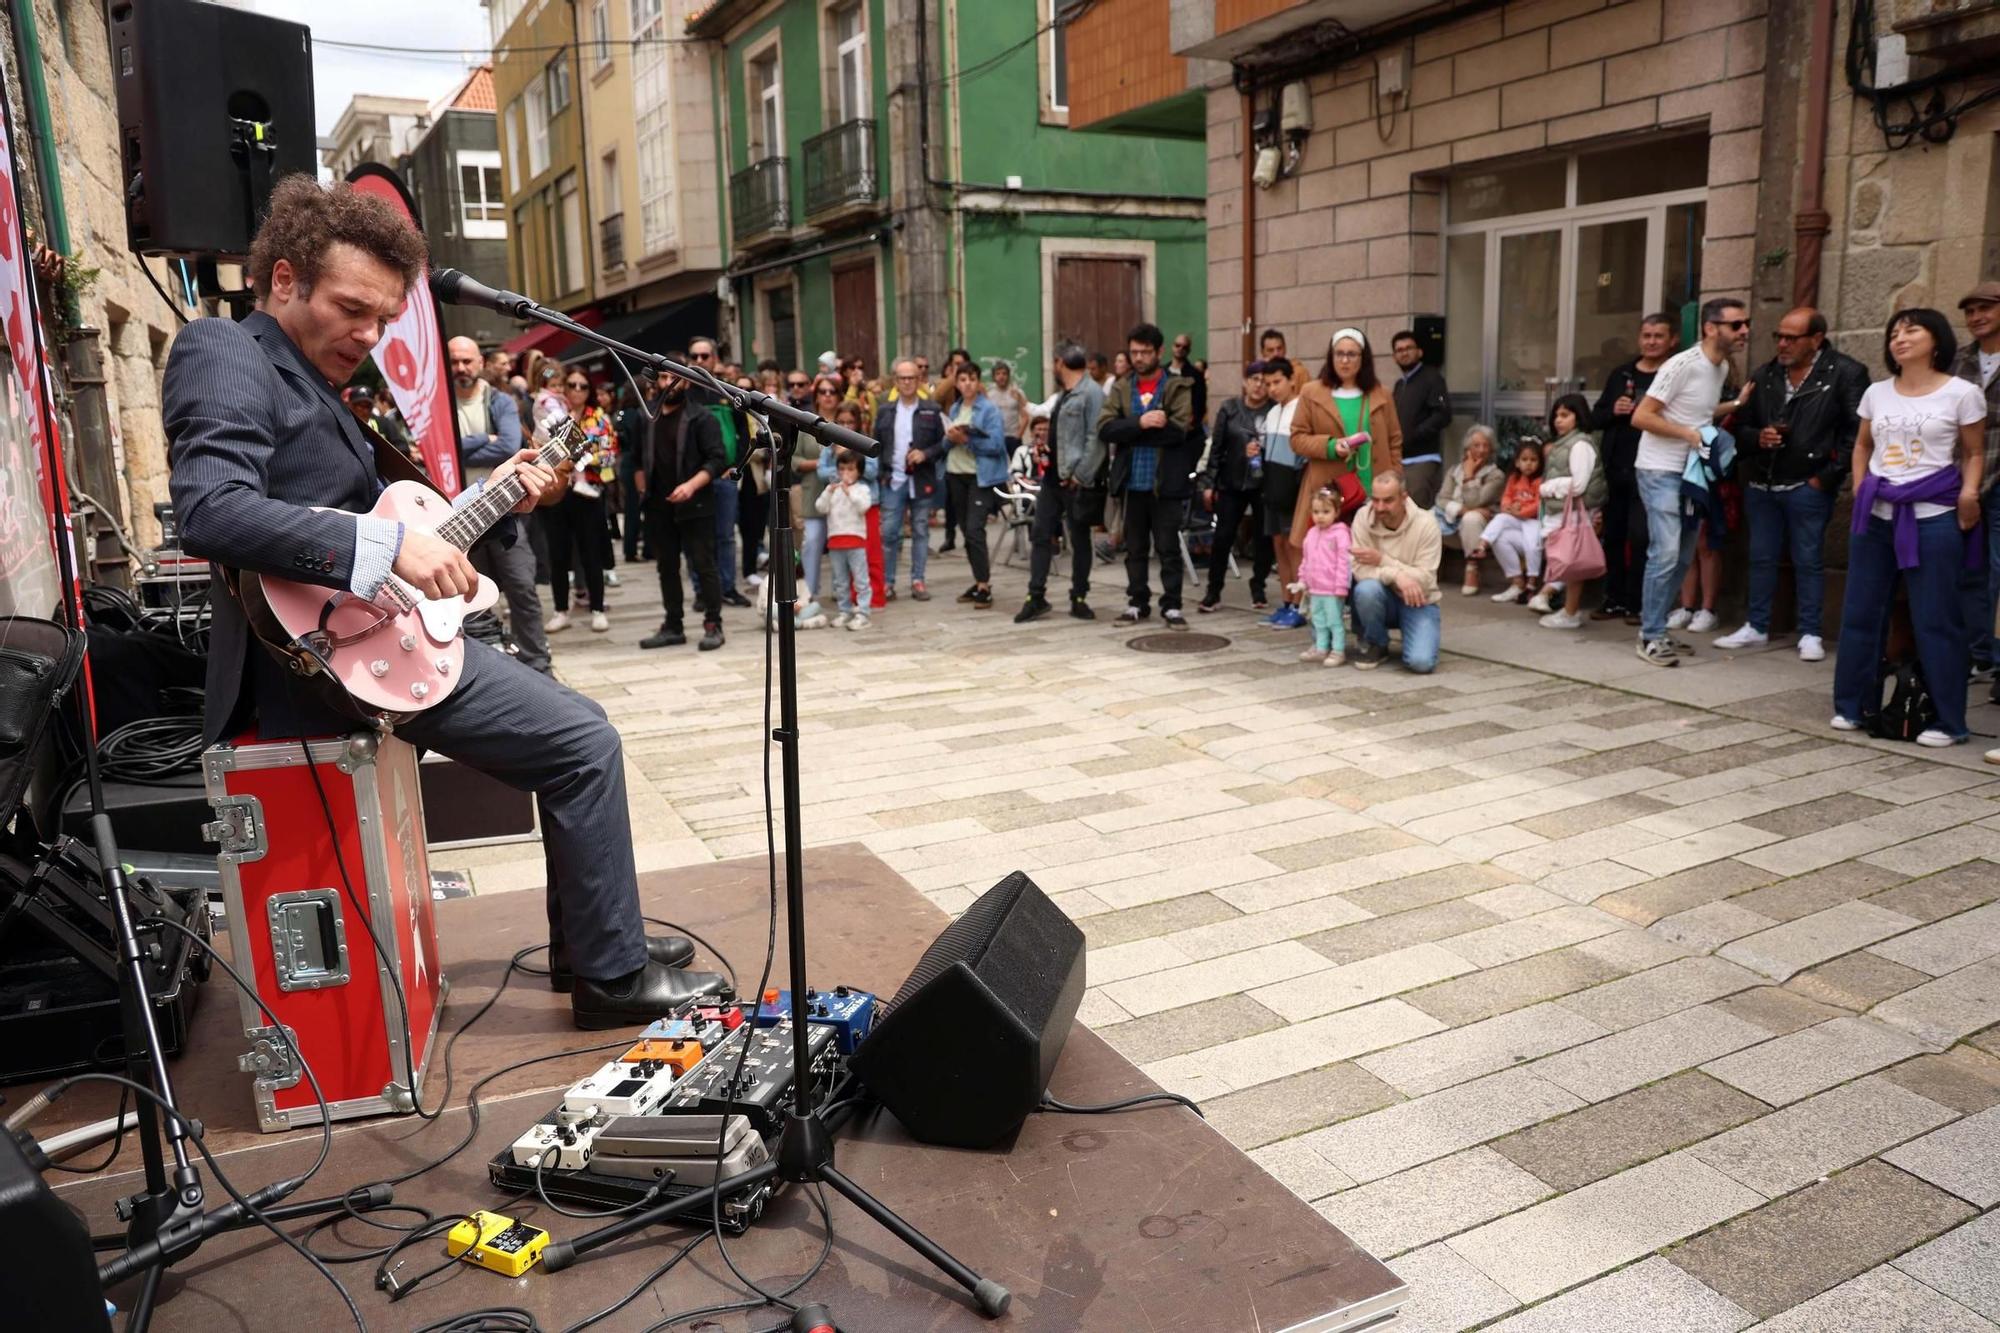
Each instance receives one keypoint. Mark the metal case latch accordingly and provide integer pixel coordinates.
(270, 1057)
(238, 827)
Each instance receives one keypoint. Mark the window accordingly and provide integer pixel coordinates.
(1059, 54)
(513, 145)
(607, 186)
(503, 15)
(538, 127)
(768, 112)
(600, 32)
(851, 60)
(481, 204)
(557, 75)
(651, 104)
(781, 323)
(566, 233)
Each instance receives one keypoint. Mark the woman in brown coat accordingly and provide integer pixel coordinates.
(1345, 426)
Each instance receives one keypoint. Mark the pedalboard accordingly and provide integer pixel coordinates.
(497, 1244)
(761, 1091)
(555, 1146)
(620, 1088)
(849, 1012)
(678, 1148)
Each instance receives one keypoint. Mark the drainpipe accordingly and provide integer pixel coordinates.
(1249, 156)
(28, 51)
(1812, 221)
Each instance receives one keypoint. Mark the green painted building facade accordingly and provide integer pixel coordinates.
(900, 178)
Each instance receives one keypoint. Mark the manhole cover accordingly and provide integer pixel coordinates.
(1178, 641)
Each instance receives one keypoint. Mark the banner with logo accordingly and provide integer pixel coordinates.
(411, 354)
(30, 496)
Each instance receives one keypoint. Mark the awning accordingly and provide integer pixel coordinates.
(656, 329)
(539, 337)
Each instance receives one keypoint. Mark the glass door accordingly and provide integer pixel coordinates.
(1528, 350)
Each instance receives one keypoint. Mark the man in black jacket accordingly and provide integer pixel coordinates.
(685, 457)
(1797, 420)
(1423, 405)
(1624, 514)
(1148, 421)
(1232, 485)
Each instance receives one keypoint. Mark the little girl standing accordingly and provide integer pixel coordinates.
(1325, 577)
(846, 504)
(1514, 537)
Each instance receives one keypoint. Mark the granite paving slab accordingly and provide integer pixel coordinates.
(1795, 945)
(1296, 1103)
(1659, 991)
(1948, 945)
(1414, 1132)
(1606, 1138)
(1961, 1158)
(1452, 1194)
(1882, 1300)
(1651, 1296)
(1430, 1063)
(1964, 1264)
(1625, 1060)
(1498, 990)
(1839, 1127)
(1964, 1079)
(1787, 1068)
(1447, 1294)
(1942, 1011)
(1857, 981)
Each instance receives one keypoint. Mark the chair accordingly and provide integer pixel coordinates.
(1017, 512)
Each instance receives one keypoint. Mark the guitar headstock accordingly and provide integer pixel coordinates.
(566, 440)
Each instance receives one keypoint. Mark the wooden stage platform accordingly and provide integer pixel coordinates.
(1147, 1220)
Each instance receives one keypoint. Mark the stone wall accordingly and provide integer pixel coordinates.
(135, 323)
(1353, 237)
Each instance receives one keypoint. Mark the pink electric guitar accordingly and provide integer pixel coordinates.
(400, 652)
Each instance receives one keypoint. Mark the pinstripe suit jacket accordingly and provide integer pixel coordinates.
(256, 438)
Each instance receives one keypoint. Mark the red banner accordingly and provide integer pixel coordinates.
(30, 496)
(411, 354)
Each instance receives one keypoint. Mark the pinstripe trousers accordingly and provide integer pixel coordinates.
(539, 736)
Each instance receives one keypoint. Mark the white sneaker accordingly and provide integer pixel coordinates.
(755, 580)
(1561, 620)
(611, 579)
(1747, 637)
(1811, 649)
(1993, 756)
(1840, 723)
(599, 622)
(1704, 622)
(840, 621)
(556, 623)
(1540, 603)
(1936, 740)
(858, 623)
(1508, 594)
(816, 620)
(1313, 655)
(1679, 618)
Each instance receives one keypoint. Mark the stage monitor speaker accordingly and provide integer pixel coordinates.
(49, 1279)
(964, 1051)
(215, 105)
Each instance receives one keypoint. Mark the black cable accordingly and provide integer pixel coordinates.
(643, 1201)
(499, 1319)
(1049, 1103)
(172, 304)
(826, 1248)
(254, 1211)
(117, 1143)
(644, 1283)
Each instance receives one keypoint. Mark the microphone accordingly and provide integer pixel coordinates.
(455, 288)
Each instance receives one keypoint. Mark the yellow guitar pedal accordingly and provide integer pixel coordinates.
(497, 1243)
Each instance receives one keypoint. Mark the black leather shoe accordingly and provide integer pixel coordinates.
(665, 638)
(735, 598)
(711, 639)
(666, 950)
(596, 1006)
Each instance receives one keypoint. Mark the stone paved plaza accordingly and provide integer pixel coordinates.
(1593, 998)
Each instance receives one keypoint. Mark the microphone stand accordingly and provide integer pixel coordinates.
(805, 1147)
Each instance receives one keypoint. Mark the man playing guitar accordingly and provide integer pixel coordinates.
(257, 439)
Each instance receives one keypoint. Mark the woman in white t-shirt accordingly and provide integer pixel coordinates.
(1917, 464)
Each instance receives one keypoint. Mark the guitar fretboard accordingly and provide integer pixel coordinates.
(498, 499)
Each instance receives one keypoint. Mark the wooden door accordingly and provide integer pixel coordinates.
(1098, 301)
(856, 331)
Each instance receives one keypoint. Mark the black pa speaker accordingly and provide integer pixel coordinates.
(49, 1280)
(215, 106)
(964, 1051)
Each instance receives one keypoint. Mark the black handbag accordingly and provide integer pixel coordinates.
(39, 661)
(1910, 710)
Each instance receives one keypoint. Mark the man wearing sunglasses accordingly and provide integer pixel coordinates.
(1676, 417)
(1797, 420)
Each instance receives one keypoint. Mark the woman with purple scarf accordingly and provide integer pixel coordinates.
(1917, 463)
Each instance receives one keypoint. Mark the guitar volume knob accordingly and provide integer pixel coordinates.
(419, 690)
(409, 642)
(378, 668)
(443, 665)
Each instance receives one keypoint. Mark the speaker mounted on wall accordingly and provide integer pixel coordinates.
(215, 106)
(964, 1051)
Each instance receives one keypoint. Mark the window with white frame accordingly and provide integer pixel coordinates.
(557, 75)
(651, 104)
(850, 36)
(482, 207)
(537, 98)
(609, 201)
(768, 110)
(502, 15)
(567, 234)
(513, 145)
(600, 32)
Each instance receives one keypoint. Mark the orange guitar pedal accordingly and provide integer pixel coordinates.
(680, 1056)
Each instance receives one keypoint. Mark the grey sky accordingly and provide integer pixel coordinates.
(340, 72)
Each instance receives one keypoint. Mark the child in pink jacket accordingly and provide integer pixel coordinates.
(1325, 575)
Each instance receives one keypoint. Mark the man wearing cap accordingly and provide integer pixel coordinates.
(1979, 362)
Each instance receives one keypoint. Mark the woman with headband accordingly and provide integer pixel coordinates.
(1345, 430)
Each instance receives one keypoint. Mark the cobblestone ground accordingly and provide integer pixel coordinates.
(1656, 1006)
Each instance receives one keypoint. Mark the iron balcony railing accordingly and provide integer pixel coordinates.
(840, 167)
(611, 239)
(759, 200)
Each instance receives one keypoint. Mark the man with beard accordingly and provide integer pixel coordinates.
(684, 457)
(489, 433)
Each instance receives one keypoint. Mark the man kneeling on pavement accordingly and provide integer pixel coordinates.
(1396, 556)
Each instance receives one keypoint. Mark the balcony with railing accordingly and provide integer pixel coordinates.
(611, 240)
(840, 169)
(760, 205)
